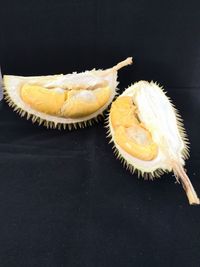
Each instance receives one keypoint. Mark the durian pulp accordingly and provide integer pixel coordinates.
(129, 133)
(66, 103)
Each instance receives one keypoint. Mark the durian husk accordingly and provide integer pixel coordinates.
(176, 164)
(12, 85)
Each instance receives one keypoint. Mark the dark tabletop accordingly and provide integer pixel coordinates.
(64, 198)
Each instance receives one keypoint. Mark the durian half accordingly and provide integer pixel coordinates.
(63, 100)
(148, 134)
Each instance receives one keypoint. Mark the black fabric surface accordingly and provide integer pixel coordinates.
(64, 198)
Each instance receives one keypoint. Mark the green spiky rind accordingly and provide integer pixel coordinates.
(50, 124)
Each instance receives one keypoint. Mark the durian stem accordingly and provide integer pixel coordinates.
(120, 65)
(187, 185)
(123, 63)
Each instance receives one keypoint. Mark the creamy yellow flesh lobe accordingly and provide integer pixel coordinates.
(129, 133)
(81, 103)
(42, 99)
(70, 104)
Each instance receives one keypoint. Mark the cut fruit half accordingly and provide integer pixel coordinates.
(148, 134)
(60, 101)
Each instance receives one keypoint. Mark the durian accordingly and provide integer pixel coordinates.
(63, 100)
(148, 134)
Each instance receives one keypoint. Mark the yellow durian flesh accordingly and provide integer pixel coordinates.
(42, 99)
(81, 103)
(70, 104)
(158, 117)
(129, 132)
(123, 112)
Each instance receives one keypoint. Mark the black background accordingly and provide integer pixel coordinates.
(64, 198)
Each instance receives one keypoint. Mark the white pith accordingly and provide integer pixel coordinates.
(158, 116)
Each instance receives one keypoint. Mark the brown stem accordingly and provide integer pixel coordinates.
(120, 65)
(123, 63)
(187, 185)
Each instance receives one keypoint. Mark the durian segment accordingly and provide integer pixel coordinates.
(81, 103)
(90, 80)
(42, 99)
(157, 115)
(123, 112)
(136, 141)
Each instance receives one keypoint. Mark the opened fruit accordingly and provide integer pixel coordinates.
(63, 100)
(148, 134)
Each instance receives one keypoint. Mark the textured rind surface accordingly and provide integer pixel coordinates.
(147, 169)
(12, 85)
